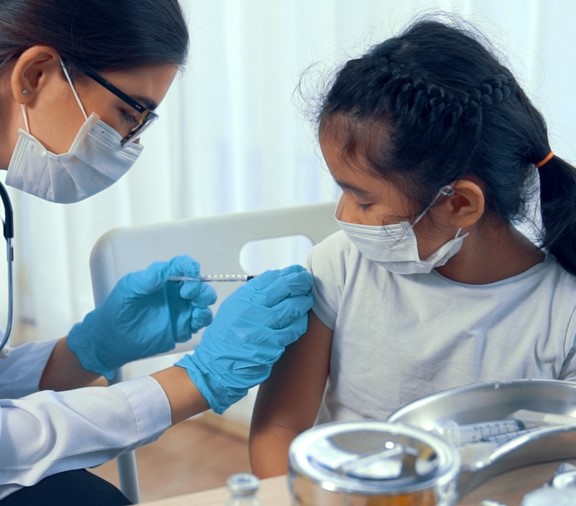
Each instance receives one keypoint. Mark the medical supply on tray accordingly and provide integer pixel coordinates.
(501, 431)
(544, 419)
(498, 431)
(559, 491)
(551, 404)
(477, 440)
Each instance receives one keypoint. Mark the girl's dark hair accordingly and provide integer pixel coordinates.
(433, 105)
(100, 34)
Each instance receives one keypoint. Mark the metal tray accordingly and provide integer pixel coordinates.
(487, 402)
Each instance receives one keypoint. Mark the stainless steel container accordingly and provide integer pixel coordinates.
(372, 464)
(484, 402)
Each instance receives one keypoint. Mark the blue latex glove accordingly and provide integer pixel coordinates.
(249, 334)
(145, 314)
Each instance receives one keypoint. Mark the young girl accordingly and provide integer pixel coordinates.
(429, 285)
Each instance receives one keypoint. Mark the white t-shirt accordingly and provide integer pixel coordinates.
(48, 432)
(400, 337)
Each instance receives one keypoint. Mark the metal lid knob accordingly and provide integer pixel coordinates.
(243, 484)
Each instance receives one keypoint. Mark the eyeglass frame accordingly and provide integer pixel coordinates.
(148, 116)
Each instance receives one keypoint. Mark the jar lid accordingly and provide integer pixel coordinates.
(373, 458)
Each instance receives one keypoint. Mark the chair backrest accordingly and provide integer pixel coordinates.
(216, 242)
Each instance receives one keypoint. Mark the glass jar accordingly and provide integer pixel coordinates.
(243, 489)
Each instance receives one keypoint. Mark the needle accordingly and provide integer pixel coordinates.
(210, 278)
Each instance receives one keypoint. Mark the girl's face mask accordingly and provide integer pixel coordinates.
(95, 161)
(395, 247)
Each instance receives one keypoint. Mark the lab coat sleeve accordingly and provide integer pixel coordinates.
(21, 368)
(51, 432)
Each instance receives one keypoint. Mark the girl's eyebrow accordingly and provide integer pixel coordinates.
(353, 188)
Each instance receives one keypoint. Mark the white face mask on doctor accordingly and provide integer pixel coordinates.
(95, 161)
(395, 247)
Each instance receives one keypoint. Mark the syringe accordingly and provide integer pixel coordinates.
(211, 278)
(498, 431)
(509, 436)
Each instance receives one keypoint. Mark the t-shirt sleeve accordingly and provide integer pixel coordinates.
(326, 262)
(569, 366)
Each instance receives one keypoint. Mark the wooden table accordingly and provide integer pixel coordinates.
(508, 489)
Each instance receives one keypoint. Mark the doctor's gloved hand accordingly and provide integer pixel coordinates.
(145, 314)
(249, 334)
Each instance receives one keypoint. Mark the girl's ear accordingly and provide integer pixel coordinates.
(465, 206)
(31, 70)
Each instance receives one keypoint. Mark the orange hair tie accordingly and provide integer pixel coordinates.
(543, 162)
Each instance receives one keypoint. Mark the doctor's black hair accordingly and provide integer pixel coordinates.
(434, 105)
(105, 35)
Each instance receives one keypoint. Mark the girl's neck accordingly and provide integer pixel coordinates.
(492, 254)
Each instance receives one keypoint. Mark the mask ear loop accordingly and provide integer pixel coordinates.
(448, 191)
(74, 92)
(445, 191)
(25, 114)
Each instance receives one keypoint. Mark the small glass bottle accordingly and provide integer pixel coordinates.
(243, 489)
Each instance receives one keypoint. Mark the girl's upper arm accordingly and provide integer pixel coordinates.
(292, 394)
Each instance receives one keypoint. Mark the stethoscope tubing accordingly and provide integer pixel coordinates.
(8, 231)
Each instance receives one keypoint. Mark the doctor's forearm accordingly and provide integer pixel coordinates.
(63, 371)
(184, 398)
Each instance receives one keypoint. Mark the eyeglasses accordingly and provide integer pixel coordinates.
(147, 115)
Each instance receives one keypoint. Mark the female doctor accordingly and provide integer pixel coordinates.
(79, 82)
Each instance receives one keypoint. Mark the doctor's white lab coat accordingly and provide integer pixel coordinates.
(43, 433)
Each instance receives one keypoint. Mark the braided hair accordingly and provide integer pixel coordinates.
(434, 105)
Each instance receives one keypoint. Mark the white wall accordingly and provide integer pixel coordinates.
(234, 136)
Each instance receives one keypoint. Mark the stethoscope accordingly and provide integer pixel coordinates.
(8, 230)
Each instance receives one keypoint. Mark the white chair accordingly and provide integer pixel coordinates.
(218, 243)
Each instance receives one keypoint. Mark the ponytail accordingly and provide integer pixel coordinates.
(558, 208)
